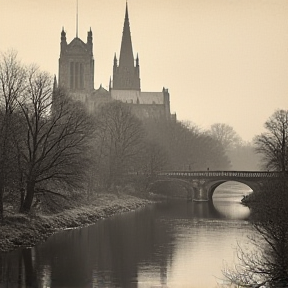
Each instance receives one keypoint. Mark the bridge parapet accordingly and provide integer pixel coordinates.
(229, 174)
(204, 183)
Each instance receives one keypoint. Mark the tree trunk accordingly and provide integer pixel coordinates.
(1, 202)
(22, 198)
(29, 197)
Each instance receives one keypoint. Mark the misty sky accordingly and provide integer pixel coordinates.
(222, 60)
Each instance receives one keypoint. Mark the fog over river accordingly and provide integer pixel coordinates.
(175, 244)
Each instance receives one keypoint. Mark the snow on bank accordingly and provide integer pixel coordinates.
(21, 230)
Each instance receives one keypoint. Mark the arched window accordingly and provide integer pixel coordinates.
(76, 75)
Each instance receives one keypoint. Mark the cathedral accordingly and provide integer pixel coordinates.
(76, 75)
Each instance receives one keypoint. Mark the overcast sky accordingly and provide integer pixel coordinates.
(222, 60)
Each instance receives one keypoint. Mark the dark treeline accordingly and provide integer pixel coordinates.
(242, 155)
(51, 145)
(266, 263)
(48, 140)
(188, 148)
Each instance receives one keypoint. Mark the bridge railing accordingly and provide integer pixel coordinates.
(238, 174)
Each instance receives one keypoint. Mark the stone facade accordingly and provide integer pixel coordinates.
(76, 66)
(76, 75)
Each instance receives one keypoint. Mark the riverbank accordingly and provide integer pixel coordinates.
(20, 230)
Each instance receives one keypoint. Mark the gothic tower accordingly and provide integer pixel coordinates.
(76, 66)
(126, 76)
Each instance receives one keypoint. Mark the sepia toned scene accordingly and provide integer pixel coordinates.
(143, 144)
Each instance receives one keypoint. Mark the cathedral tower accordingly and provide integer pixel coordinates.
(76, 66)
(126, 76)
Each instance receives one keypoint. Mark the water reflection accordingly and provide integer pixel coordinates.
(266, 264)
(228, 204)
(235, 211)
(172, 244)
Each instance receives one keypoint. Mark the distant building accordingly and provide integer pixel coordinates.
(76, 75)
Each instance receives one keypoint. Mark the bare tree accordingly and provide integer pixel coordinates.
(186, 145)
(54, 144)
(13, 83)
(225, 134)
(154, 158)
(266, 263)
(273, 144)
(118, 141)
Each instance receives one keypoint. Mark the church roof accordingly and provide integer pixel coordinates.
(100, 92)
(137, 97)
(77, 45)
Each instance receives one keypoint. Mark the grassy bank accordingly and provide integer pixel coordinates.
(27, 230)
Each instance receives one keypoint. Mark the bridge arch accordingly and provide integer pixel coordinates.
(212, 185)
(204, 183)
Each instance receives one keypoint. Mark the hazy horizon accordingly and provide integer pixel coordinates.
(222, 61)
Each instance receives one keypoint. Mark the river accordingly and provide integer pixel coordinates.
(175, 244)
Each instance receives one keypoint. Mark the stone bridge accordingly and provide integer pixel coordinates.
(202, 184)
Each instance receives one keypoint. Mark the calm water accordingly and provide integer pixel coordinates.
(174, 244)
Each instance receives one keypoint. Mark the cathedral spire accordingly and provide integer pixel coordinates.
(55, 85)
(77, 19)
(63, 35)
(126, 53)
(125, 73)
(126, 12)
(110, 84)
